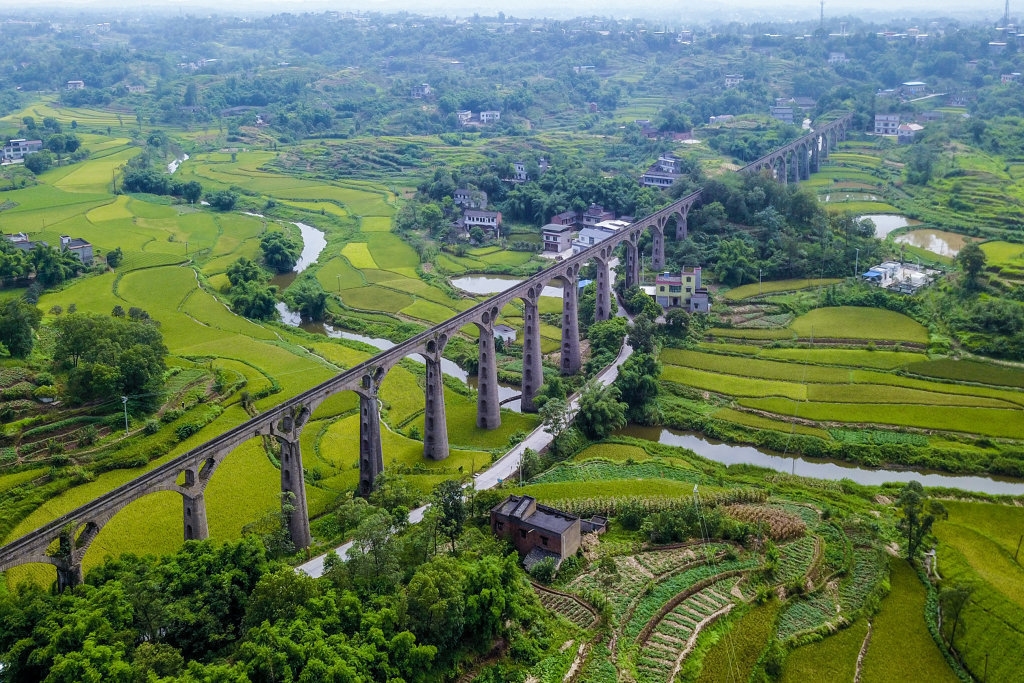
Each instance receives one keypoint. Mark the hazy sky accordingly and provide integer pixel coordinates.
(673, 10)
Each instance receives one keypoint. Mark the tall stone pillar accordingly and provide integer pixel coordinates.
(435, 424)
(293, 489)
(68, 563)
(371, 456)
(682, 229)
(196, 527)
(632, 264)
(657, 247)
(815, 156)
(570, 324)
(533, 370)
(782, 175)
(603, 308)
(795, 166)
(488, 408)
(805, 162)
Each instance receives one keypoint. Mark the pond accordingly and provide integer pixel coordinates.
(834, 470)
(938, 242)
(886, 223)
(495, 284)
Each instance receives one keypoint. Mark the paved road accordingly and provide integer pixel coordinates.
(504, 467)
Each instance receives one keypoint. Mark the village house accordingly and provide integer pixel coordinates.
(464, 116)
(490, 221)
(906, 132)
(78, 247)
(663, 172)
(75, 85)
(732, 80)
(490, 116)
(1006, 79)
(913, 88)
(520, 175)
(557, 238)
(682, 290)
(22, 242)
(470, 198)
(783, 113)
(837, 58)
(135, 89)
(887, 124)
(564, 218)
(18, 148)
(593, 234)
(420, 91)
(596, 213)
(538, 531)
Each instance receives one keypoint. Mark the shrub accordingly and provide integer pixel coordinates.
(544, 571)
(151, 427)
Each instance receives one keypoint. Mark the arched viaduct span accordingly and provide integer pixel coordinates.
(64, 541)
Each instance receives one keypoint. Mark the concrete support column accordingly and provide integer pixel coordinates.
(533, 371)
(293, 490)
(815, 156)
(782, 172)
(795, 166)
(805, 162)
(488, 409)
(682, 229)
(825, 144)
(435, 425)
(371, 457)
(603, 308)
(632, 264)
(570, 324)
(657, 247)
(196, 527)
(69, 564)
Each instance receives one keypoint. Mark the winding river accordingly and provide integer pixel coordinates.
(834, 470)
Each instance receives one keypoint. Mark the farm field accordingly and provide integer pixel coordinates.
(824, 385)
(173, 268)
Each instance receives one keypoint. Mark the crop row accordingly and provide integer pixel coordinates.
(568, 607)
(795, 559)
(807, 614)
(781, 525)
(877, 437)
(592, 470)
(869, 567)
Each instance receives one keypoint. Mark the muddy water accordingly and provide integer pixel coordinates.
(936, 241)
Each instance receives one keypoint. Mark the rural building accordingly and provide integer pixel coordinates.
(886, 124)
(664, 171)
(783, 113)
(912, 88)
(1006, 79)
(682, 290)
(464, 116)
(906, 132)
(490, 221)
(593, 234)
(904, 278)
(538, 531)
(520, 175)
(557, 238)
(490, 116)
(75, 85)
(564, 218)
(19, 148)
(732, 80)
(420, 91)
(21, 241)
(596, 213)
(470, 198)
(837, 58)
(721, 118)
(77, 246)
(135, 89)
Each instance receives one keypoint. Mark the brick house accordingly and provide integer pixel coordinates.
(538, 531)
(77, 246)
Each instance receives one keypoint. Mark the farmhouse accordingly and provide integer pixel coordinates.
(78, 247)
(906, 132)
(490, 221)
(538, 531)
(783, 113)
(732, 80)
(904, 278)
(557, 238)
(420, 91)
(75, 85)
(21, 241)
(664, 171)
(886, 124)
(470, 198)
(682, 290)
(19, 148)
(592, 234)
(490, 116)
(505, 333)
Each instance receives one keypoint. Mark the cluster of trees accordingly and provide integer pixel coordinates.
(410, 604)
(50, 266)
(152, 181)
(54, 140)
(110, 356)
(18, 322)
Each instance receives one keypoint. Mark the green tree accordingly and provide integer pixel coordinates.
(638, 386)
(736, 262)
(254, 300)
(308, 298)
(972, 260)
(280, 252)
(13, 261)
(450, 500)
(677, 323)
(914, 522)
(600, 411)
(18, 322)
(222, 200)
(437, 603)
(52, 267)
(114, 257)
(643, 336)
(953, 600)
(244, 270)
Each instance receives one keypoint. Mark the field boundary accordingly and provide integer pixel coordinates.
(648, 629)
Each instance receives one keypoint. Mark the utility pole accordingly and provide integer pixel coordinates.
(759, 281)
(124, 400)
(856, 263)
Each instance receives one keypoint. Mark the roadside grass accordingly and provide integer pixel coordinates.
(852, 322)
(899, 627)
(747, 291)
(828, 660)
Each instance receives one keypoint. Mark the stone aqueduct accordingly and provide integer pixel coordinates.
(189, 474)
